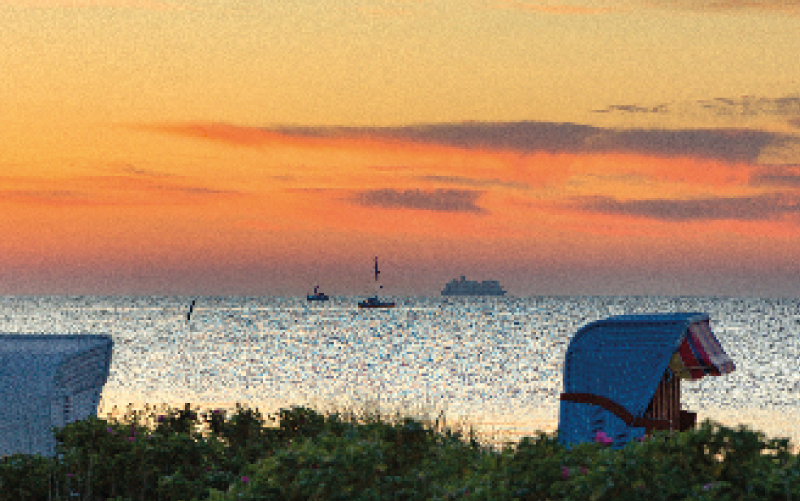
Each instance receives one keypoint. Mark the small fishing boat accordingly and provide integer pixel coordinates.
(374, 302)
(317, 296)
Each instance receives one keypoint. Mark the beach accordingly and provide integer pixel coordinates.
(493, 363)
(496, 429)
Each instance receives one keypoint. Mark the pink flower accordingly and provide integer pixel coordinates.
(583, 470)
(601, 436)
(131, 439)
(564, 472)
(245, 479)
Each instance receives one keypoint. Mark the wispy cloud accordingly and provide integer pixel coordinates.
(732, 145)
(132, 190)
(466, 181)
(743, 106)
(787, 176)
(735, 145)
(524, 136)
(257, 137)
(434, 200)
(635, 108)
(787, 6)
(48, 197)
(757, 207)
(133, 170)
(724, 144)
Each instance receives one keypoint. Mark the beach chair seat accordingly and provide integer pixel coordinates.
(48, 381)
(622, 375)
(688, 420)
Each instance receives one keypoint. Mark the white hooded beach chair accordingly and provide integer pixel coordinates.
(45, 381)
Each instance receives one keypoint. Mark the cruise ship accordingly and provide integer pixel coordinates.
(466, 287)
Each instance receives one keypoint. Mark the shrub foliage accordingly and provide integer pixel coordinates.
(304, 455)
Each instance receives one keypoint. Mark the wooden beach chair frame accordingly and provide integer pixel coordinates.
(618, 379)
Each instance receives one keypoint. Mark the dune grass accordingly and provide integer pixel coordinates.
(173, 454)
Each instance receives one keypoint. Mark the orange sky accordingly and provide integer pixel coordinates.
(144, 152)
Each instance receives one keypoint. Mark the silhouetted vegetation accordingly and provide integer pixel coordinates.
(301, 454)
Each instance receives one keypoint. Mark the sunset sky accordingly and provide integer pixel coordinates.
(263, 147)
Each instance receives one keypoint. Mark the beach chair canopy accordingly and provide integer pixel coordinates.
(613, 367)
(46, 381)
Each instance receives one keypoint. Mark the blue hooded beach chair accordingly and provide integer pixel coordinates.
(48, 381)
(622, 375)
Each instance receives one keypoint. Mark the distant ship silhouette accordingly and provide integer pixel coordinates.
(471, 288)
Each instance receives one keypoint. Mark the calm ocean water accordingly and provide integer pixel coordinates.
(476, 358)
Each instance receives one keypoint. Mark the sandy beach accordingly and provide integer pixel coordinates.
(774, 424)
(492, 429)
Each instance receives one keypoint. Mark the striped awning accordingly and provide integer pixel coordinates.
(700, 355)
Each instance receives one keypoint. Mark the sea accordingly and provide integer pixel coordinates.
(493, 364)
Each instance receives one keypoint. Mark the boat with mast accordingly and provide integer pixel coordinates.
(374, 302)
(317, 296)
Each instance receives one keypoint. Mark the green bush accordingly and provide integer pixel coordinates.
(309, 456)
(113, 459)
(326, 467)
(25, 478)
(300, 422)
(684, 467)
